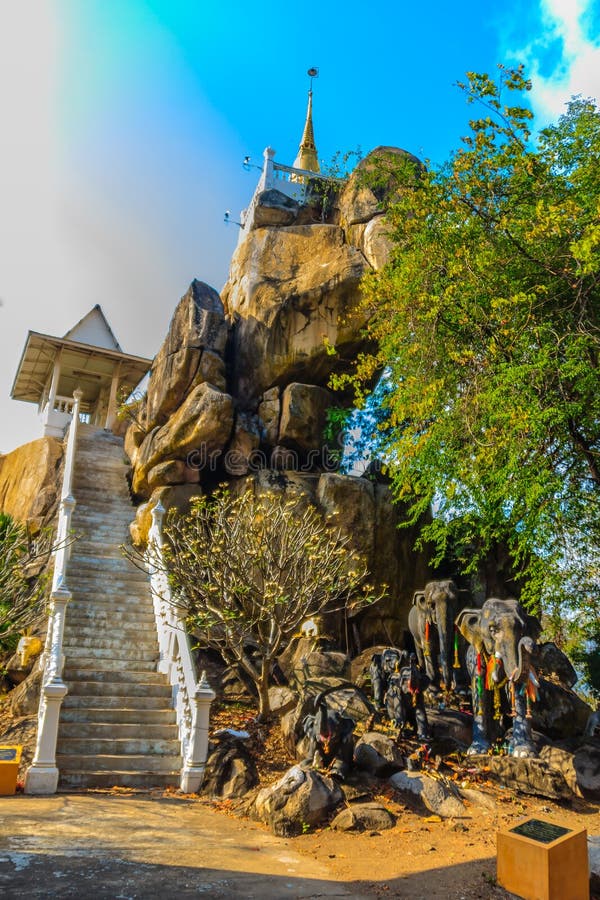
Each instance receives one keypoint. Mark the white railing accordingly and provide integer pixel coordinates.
(294, 183)
(191, 700)
(63, 404)
(42, 775)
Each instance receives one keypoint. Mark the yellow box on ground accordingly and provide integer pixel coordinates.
(540, 860)
(10, 757)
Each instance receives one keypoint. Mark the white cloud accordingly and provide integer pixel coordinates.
(576, 71)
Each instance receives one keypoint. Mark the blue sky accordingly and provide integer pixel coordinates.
(124, 124)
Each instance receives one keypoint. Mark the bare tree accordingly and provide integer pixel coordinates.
(250, 568)
(23, 559)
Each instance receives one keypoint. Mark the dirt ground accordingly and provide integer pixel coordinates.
(421, 857)
(130, 846)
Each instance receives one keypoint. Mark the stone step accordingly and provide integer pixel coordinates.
(95, 614)
(101, 656)
(149, 676)
(102, 514)
(80, 762)
(143, 780)
(83, 562)
(108, 584)
(96, 605)
(115, 693)
(82, 629)
(117, 731)
(121, 747)
(93, 617)
(121, 647)
(140, 718)
(91, 498)
(102, 510)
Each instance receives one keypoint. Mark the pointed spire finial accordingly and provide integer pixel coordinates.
(307, 152)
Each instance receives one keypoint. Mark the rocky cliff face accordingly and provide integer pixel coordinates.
(29, 479)
(239, 388)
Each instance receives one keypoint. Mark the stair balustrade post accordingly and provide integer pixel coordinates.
(160, 587)
(266, 179)
(194, 763)
(42, 775)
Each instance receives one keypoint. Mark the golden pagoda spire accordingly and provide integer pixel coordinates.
(307, 152)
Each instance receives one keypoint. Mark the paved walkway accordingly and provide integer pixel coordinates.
(84, 845)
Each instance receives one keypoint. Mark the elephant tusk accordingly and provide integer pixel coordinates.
(533, 677)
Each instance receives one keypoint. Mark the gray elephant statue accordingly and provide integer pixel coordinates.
(439, 646)
(404, 702)
(502, 636)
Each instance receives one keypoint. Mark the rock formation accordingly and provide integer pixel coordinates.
(239, 389)
(29, 481)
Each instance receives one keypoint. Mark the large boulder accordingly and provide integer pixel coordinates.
(196, 433)
(24, 700)
(559, 712)
(552, 662)
(374, 184)
(395, 563)
(29, 480)
(176, 496)
(300, 799)
(304, 661)
(562, 760)
(586, 762)
(432, 793)
(364, 817)
(378, 753)
(529, 776)
(304, 417)
(274, 208)
(198, 327)
(290, 292)
(230, 770)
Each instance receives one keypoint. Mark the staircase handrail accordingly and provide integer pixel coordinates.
(191, 698)
(42, 775)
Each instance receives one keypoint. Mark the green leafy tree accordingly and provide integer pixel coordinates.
(487, 323)
(22, 582)
(250, 568)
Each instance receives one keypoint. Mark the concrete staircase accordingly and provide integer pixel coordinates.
(117, 726)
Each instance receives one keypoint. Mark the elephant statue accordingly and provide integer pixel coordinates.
(502, 638)
(382, 667)
(438, 645)
(330, 737)
(404, 697)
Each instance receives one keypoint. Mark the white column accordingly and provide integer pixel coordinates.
(54, 382)
(194, 763)
(111, 414)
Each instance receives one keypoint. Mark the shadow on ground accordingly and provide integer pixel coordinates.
(82, 873)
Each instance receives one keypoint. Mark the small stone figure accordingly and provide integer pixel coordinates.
(592, 729)
(331, 738)
(383, 665)
(404, 701)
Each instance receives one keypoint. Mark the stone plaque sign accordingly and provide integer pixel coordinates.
(8, 754)
(544, 832)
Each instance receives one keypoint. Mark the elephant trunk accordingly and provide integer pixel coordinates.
(445, 624)
(524, 653)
